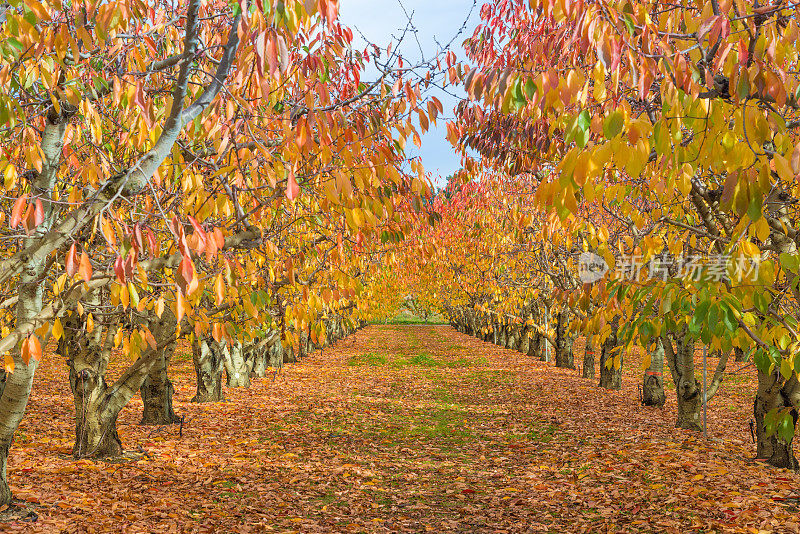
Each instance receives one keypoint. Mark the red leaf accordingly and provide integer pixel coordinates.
(138, 239)
(119, 270)
(743, 53)
(152, 242)
(272, 56)
(187, 276)
(128, 264)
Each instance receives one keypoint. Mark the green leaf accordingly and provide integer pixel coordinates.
(584, 120)
(762, 361)
(786, 369)
(612, 126)
(790, 262)
(15, 43)
(754, 209)
(743, 88)
(530, 88)
(771, 422)
(701, 312)
(628, 20)
(786, 427)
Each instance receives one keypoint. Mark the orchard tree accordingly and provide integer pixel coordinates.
(684, 119)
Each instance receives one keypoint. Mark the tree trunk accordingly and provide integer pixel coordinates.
(208, 357)
(688, 391)
(97, 404)
(524, 340)
(236, 367)
(564, 340)
(536, 346)
(653, 386)
(95, 426)
(611, 360)
(15, 388)
(511, 338)
(775, 393)
(288, 354)
(87, 357)
(157, 389)
(276, 355)
(260, 356)
(302, 350)
(588, 361)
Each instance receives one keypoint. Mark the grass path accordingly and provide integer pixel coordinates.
(405, 429)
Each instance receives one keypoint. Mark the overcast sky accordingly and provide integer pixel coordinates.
(435, 20)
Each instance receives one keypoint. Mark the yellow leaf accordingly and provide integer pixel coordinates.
(58, 330)
(159, 308)
(762, 229)
(782, 168)
(646, 360)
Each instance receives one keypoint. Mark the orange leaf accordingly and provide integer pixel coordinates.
(72, 261)
(180, 306)
(292, 189)
(219, 289)
(85, 269)
(19, 208)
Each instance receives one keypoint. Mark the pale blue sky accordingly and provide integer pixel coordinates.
(435, 20)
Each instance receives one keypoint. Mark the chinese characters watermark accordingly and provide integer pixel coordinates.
(592, 267)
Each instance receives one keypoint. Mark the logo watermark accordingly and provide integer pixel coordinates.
(591, 267)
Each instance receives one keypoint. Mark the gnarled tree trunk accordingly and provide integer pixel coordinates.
(260, 357)
(611, 360)
(588, 360)
(774, 392)
(524, 340)
(276, 355)
(689, 391)
(653, 384)
(157, 389)
(97, 405)
(236, 367)
(208, 357)
(564, 340)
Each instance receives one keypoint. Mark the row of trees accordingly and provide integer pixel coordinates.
(657, 141)
(204, 170)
